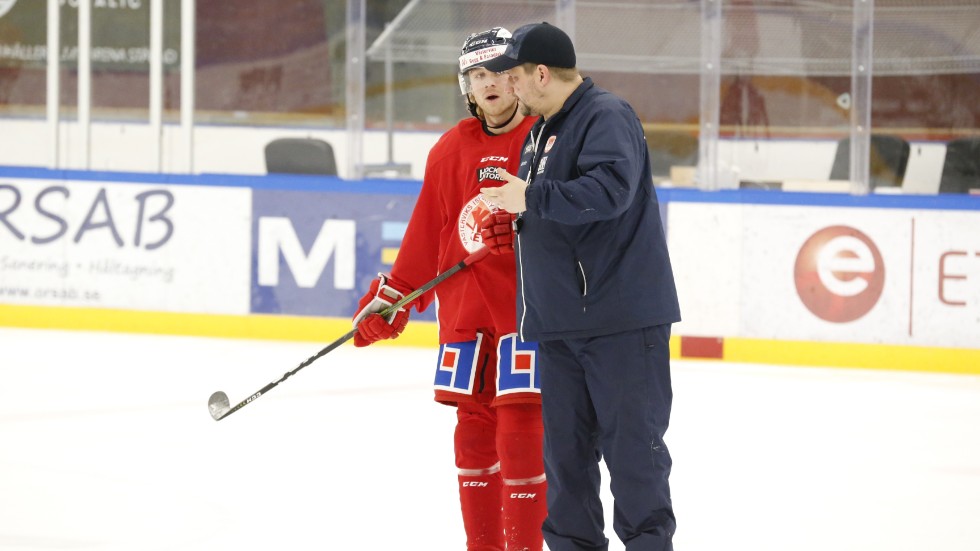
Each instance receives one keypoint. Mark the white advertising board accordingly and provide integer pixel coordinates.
(825, 274)
(832, 274)
(705, 242)
(157, 247)
(945, 293)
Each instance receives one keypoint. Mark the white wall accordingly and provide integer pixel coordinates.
(239, 150)
(228, 149)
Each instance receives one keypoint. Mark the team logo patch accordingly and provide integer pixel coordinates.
(549, 143)
(470, 217)
(487, 173)
(544, 161)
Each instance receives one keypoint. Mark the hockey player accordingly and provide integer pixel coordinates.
(484, 370)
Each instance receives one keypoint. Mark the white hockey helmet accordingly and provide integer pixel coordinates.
(478, 48)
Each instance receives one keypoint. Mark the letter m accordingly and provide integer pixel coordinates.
(336, 238)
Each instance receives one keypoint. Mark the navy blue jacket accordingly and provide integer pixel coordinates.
(591, 250)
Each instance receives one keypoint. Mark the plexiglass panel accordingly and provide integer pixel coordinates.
(785, 86)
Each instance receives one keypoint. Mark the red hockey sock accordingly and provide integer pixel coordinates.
(479, 498)
(479, 477)
(525, 509)
(519, 443)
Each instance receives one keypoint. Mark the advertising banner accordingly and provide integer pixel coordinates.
(120, 30)
(95, 244)
(859, 273)
(315, 254)
(832, 274)
(825, 274)
(945, 272)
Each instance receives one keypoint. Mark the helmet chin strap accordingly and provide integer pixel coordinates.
(487, 128)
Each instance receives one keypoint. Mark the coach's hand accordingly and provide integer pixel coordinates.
(509, 196)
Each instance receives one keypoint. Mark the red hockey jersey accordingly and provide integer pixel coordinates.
(445, 228)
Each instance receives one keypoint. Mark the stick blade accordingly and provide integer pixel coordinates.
(218, 405)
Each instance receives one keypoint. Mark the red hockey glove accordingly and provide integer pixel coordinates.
(371, 327)
(497, 231)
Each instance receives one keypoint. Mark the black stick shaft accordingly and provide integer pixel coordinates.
(474, 257)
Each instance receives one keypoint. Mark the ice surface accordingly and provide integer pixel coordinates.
(106, 443)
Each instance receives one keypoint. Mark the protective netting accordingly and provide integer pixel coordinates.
(432, 31)
(761, 37)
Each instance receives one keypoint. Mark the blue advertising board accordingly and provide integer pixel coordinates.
(315, 253)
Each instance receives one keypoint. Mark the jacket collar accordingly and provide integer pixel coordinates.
(572, 100)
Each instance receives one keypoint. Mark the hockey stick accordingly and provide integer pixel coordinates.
(218, 402)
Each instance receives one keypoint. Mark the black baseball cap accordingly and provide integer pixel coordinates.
(538, 43)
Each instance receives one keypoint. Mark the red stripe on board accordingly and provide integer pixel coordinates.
(702, 347)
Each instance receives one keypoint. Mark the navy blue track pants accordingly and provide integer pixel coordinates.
(607, 397)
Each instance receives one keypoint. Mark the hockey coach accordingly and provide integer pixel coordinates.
(596, 289)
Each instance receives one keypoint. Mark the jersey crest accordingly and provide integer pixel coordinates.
(470, 217)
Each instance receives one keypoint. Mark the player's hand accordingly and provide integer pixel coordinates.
(497, 231)
(509, 196)
(371, 327)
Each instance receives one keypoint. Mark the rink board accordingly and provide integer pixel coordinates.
(902, 276)
(882, 282)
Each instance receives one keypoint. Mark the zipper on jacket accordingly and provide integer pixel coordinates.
(535, 140)
(520, 266)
